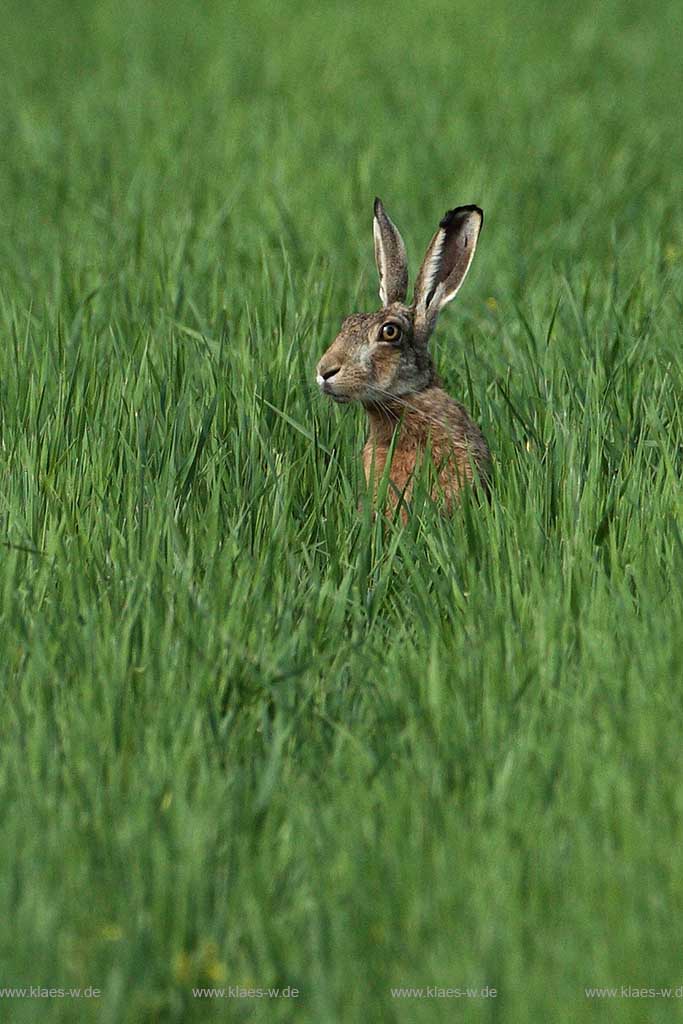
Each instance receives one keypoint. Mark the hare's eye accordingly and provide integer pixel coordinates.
(390, 332)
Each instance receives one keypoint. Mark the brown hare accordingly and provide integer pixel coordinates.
(382, 360)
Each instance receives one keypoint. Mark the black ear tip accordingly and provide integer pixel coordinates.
(459, 211)
(377, 205)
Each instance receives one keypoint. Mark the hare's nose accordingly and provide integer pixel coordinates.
(328, 374)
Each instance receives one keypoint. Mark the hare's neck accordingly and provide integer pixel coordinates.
(412, 411)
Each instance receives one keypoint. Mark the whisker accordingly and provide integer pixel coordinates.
(405, 403)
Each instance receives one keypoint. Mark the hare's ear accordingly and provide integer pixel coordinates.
(446, 262)
(390, 256)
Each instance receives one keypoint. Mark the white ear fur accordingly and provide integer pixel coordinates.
(447, 260)
(390, 256)
(429, 271)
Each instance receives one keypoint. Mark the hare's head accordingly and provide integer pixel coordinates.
(384, 355)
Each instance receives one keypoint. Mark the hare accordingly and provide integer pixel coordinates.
(381, 360)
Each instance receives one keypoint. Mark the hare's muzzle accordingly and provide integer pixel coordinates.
(326, 373)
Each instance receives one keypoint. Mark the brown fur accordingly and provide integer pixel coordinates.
(432, 420)
(396, 380)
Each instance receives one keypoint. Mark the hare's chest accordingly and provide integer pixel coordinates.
(403, 463)
(450, 470)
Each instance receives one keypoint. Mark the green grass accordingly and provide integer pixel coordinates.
(249, 736)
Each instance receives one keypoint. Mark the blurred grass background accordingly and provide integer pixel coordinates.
(249, 737)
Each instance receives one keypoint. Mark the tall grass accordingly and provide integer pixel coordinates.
(250, 736)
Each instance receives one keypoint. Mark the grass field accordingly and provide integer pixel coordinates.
(248, 736)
